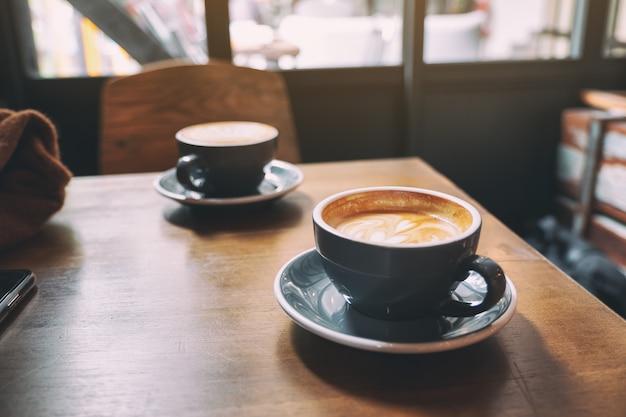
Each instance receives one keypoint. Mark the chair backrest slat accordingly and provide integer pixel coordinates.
(141, 113)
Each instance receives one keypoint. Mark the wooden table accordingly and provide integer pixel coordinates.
(146, 307)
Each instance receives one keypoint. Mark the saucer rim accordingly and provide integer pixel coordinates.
(365, 343)
(228, 201)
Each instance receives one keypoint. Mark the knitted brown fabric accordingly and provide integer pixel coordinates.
(32, 176)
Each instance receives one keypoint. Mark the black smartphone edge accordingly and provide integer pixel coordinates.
(24, 281)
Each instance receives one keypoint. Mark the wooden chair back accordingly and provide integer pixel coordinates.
(141, 113)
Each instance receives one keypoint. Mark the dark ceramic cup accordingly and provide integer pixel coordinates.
(397, 253)
(225, 158)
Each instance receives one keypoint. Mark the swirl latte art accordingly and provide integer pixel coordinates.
(397, 227)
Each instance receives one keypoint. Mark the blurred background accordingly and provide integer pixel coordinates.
(476, 88)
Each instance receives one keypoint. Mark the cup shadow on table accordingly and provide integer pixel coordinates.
(469, 377)
(281, 213)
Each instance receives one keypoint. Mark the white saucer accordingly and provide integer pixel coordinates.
(306, 294)
(281, 178)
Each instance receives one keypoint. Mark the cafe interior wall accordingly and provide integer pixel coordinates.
(492, 131)
(497, 142)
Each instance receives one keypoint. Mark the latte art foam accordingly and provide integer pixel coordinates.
(397, 228)
(227, 133)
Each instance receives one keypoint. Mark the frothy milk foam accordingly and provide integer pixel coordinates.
(227, 133)
(397, 227)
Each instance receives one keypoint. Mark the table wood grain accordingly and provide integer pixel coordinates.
(149, 308)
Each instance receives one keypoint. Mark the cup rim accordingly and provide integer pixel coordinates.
(320, 222)
(271, 135)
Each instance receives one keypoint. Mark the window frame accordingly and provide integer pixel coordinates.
(414, 82)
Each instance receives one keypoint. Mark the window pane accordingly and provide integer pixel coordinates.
(290, 34)
(178, 25)
(503, 30)
(69, 45)
(74, 37)
(615, 46)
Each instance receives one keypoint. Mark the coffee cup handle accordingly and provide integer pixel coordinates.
(496, 283)
(189, 172)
